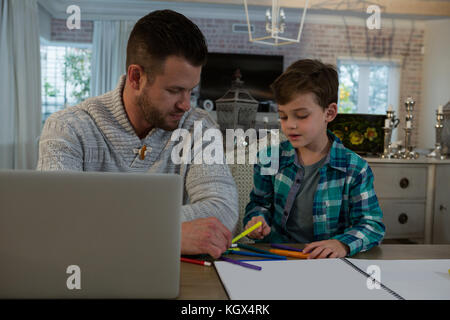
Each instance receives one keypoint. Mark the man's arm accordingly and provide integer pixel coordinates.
(212, 212)
(212, 193)
(59, 148)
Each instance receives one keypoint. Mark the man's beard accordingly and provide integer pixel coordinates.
(151, 114)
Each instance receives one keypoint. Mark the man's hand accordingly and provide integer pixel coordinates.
(205, 235)
(326, 249)
(258, 233)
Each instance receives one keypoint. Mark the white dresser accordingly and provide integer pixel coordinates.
(415, 198)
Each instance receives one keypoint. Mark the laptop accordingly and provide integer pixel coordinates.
(89, 235)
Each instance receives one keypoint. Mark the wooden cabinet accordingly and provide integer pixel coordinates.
(415, 198)
(441, 221)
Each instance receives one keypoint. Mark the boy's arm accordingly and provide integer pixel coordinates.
(261, 197)
(366, 226)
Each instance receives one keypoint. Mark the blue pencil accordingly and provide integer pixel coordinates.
(261, 255)
(251, 248)
(284, 247)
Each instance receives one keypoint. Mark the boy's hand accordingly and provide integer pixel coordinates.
(258, 233)
(326, 249)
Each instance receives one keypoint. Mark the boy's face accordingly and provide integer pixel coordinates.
(303, 121)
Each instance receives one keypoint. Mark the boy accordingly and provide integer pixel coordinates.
(323, 193)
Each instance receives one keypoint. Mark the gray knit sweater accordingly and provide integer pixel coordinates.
(96, 135)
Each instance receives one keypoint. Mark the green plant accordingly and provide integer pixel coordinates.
(345, 104)
(50, 91)
(77, 64)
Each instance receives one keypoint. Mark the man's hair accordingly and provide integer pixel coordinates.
(163, 33)
(304, 76)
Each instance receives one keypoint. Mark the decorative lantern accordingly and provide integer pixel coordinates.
(237, 108)
(274, 33)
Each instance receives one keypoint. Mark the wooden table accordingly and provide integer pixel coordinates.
(203, 283)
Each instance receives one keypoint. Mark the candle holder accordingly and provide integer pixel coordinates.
(437, 152)
(407, 152)
(390, 124)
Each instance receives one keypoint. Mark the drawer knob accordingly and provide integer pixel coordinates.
(403, 218)
(404, 183)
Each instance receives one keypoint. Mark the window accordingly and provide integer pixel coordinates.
(65, 75)
(367, 86)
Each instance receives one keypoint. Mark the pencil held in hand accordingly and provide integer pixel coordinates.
(262, 231)
(246, 232)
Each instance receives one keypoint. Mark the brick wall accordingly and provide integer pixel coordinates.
(328, 42)
(323, 41)
(60, 32)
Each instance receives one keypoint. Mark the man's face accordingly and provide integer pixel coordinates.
(166, 98)
(303, 121)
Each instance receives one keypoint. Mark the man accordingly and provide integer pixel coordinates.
(129, 129)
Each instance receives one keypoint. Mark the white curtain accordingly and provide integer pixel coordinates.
(109, 49)
(20, 84)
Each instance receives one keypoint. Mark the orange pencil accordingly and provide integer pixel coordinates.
(292, 254)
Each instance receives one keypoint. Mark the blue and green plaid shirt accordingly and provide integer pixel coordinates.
(345, 204)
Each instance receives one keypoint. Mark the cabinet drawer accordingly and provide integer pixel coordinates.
(400, 181)
(403, 219)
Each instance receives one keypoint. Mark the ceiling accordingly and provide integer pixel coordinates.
(120, 9)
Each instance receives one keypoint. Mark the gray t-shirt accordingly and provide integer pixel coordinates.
(300, 222)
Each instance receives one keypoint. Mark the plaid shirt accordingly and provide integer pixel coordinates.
(345, 204)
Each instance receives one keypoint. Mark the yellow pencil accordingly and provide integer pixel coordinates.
(246, 232)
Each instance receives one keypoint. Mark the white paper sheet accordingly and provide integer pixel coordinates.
(413, 279)
(297, 280)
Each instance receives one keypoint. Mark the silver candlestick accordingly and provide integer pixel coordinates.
(407, 152)
(437, 152)
(390, 123)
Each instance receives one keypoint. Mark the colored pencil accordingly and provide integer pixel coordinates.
(242, 264)
(200, 262)
(251, 248)
(246, 232)
(260, 255)
(284, 247)
(292, 254)
(257, 260)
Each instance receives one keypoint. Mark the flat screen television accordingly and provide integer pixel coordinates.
(258, 72)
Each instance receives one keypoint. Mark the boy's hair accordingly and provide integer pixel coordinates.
(305, 76)
(163, 33)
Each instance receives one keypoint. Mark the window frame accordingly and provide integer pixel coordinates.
(64, 44)
(394, 80)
